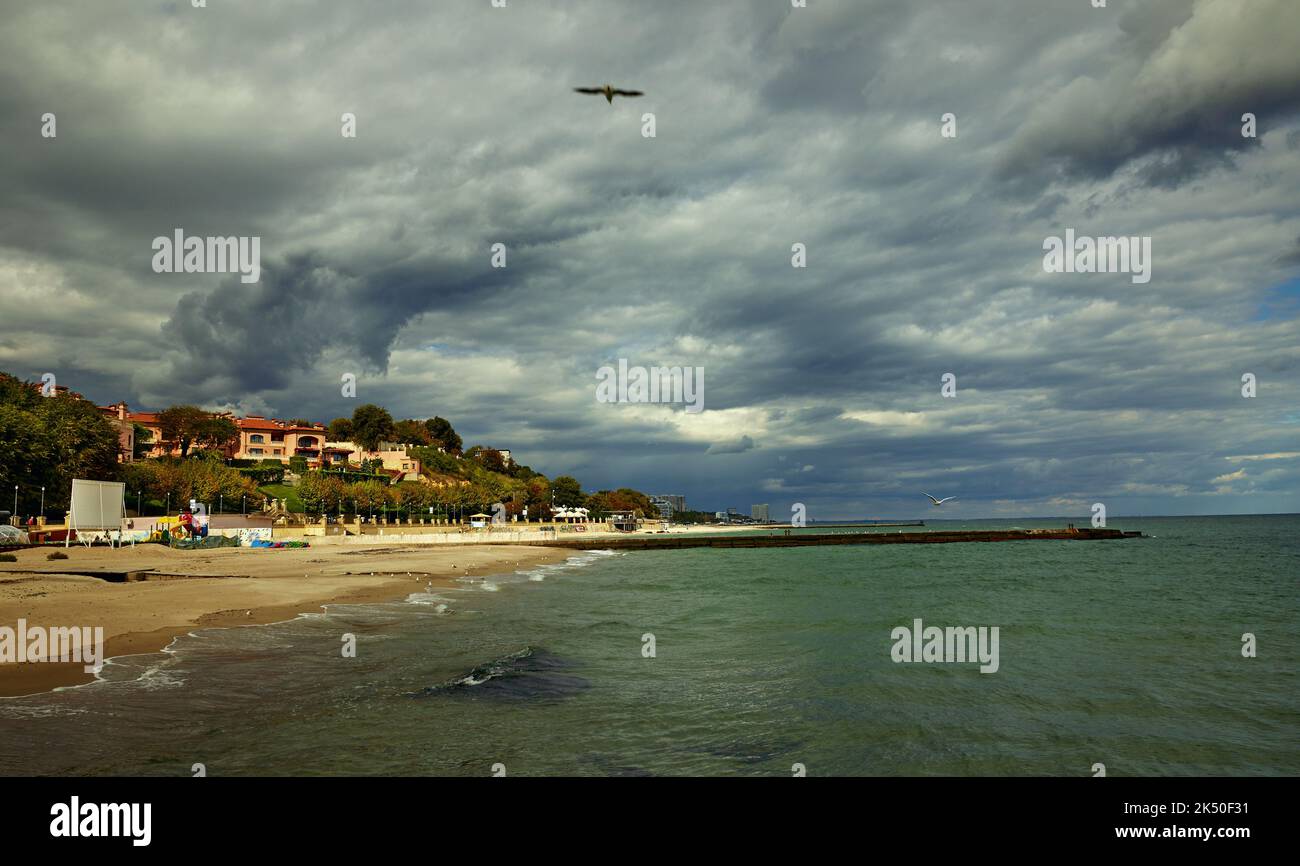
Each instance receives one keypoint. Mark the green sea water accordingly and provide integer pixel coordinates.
(1123, 653)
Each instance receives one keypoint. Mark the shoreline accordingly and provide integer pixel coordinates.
(220, 588)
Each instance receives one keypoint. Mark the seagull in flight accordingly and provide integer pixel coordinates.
(938, 502)
(609, 91)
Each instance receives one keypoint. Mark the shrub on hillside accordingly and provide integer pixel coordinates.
(263, 475)
(435, 461)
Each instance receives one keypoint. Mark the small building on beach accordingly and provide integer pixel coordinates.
(571, 515)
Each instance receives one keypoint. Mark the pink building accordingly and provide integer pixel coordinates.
(393, 455)
(259, 438)
(268, 439)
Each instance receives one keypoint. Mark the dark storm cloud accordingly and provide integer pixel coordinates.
(775, 125)
(1171, 104)
(1292, 256)
(735, 446)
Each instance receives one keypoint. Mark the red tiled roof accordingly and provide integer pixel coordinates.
(257, 424)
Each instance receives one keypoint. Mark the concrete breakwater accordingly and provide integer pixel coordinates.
(674, 542)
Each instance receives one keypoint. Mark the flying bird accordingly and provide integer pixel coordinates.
(938, 502)
(609, 91)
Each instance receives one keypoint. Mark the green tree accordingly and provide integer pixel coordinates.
(410, 432)
(441, 431)
(490, 459)
(143, 441)
(460, 496)
(371, 425)
(370, 496)
(340, 430)
(567, 491)
(537, 496)
(179, 425)
(218, 432)
(414, 496)
(189, 425)
(603, 502)
(322, 493)
(48, 441)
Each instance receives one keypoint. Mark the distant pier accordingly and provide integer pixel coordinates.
(854, 525)
(807, 539)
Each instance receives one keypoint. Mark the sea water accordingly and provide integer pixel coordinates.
(737, 662)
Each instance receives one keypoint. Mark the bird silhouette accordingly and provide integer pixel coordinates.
(609, 91)
(938, 502)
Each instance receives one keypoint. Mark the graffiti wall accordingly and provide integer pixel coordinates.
(249, 534)
(152, 531)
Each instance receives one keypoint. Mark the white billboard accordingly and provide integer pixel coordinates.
(97, 505)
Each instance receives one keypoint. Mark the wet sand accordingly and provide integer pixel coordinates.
(222, 587)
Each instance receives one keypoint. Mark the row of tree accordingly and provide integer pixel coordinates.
(45, 442)
(207, 480)
(371, 424)
(323, 493)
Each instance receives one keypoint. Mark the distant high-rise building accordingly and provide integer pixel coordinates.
(759, 513)
(676, 500)
(664, 506)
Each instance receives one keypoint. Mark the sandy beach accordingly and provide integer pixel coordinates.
(185, 590)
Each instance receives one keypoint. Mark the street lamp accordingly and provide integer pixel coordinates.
(15, 501)
(167, 507)
(221, 503)
(243, 507)
(42, 502)
(139, 502)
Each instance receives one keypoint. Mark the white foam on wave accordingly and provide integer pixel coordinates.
(576, 561)
(431, 599)
(9, 709)
(158, 677)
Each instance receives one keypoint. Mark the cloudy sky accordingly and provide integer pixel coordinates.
(774, 126)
